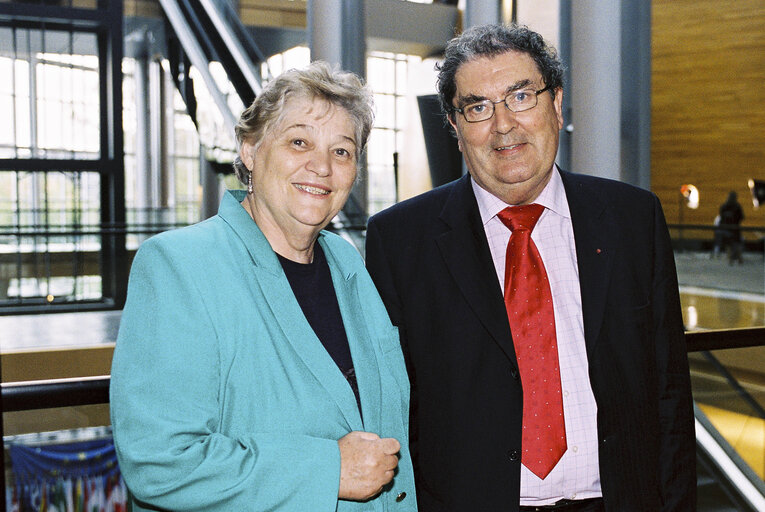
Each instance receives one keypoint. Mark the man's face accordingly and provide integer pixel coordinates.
(510, 155)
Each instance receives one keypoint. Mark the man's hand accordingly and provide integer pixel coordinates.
(367, 463)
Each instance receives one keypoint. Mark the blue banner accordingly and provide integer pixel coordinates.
(72, 477)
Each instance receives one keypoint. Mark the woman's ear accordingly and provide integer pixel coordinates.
(247, 154)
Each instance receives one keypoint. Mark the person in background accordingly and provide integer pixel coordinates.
(719, 235)
(538, 309)
(256, 367)
(731, 215)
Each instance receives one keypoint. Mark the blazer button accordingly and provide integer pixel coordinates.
(514, 455)
(514, 374)
(401, 496)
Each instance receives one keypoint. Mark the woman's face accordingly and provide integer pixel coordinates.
(305, 167)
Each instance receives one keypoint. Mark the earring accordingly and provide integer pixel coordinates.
(249, 183)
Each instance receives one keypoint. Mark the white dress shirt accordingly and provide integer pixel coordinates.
(577, 474)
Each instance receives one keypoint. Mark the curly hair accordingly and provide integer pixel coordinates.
(490, 41)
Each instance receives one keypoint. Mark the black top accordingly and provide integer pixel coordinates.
(312, 285)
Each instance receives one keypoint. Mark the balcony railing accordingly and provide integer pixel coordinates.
(24, 396)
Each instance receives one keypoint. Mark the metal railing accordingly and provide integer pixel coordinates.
(43, 394)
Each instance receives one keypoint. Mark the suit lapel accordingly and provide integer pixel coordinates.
(596, 237)
(285, 309)
(299, 334)
(362, 346)
(466, 252)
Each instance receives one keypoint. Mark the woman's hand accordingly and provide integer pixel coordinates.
(367, 463)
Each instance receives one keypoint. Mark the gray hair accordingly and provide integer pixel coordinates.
(490, 41)
(318, 80)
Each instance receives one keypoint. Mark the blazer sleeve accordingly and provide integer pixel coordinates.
(677, 455)
(166, 408)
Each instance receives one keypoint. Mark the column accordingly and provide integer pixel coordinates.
(610, 89)
(481, 12)
(596, 87)
(143, 142)
(337, 35)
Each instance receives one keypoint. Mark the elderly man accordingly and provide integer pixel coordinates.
(538, 309)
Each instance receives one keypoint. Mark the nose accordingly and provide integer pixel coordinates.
(504, 119)
(320, 163)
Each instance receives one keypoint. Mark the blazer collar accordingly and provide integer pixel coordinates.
(256, 243)
(361, 342)
(271, 281)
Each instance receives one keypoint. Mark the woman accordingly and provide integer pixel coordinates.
(256, 367)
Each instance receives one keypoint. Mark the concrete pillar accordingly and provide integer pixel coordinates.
(596, 87)
(157, 124)
(636, 93)
(167, 197)
(564, 52)
(143, 183)
(481, 12)
(336, 34)
(610, 89)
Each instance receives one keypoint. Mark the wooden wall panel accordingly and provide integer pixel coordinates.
(274, 13)
(708, 103)
(143, 8)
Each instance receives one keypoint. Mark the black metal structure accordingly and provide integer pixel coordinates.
(105, 22)
(198, 17)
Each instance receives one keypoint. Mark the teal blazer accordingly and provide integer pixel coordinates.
(222, 396)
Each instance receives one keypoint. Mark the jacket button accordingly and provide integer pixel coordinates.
(514, 374)
(401, 496)
(514, 455)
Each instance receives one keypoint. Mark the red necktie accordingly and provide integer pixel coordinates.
(532, 323)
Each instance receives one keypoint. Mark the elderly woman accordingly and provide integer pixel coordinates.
(256, 367)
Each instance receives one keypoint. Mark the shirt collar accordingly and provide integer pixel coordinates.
(552, 197)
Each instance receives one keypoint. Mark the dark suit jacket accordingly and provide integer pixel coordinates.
(431, 263)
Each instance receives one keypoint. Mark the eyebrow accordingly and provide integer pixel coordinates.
(298, 126)
(474, 98)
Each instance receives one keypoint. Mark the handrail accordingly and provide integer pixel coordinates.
(714, 227)
(45, 394)
(20, 396)
(234, 45)
(720, 339)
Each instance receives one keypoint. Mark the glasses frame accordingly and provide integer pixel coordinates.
(503, 100)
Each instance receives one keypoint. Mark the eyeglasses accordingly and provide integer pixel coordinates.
(516, 101)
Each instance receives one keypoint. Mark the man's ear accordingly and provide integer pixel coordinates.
(558, 106)
(452, 121)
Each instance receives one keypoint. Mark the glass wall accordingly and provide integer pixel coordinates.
(50, 204)
(50, 94)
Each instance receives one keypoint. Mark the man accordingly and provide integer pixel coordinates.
(614, 429)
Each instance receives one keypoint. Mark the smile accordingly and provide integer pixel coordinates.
(502, 148)
(311, 190)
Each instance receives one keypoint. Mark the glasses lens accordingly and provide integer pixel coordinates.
(521, 100)
(480, 111)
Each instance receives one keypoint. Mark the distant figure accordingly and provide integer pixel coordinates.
(731, 215)
(719, 234)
